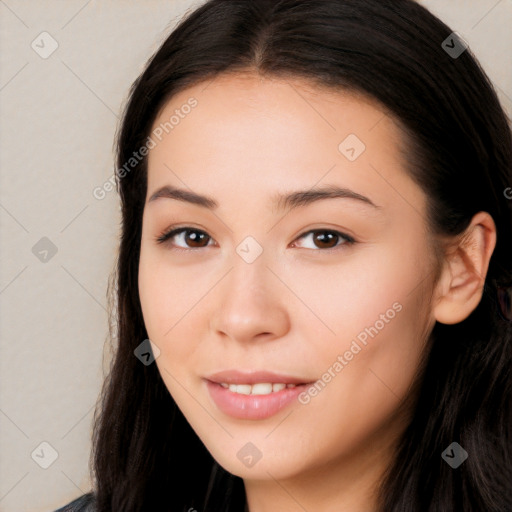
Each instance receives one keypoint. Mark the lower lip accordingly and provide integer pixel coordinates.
(252, 407)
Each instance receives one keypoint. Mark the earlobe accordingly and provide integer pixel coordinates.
(462, 280)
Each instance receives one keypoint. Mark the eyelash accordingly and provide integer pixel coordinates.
(167, 235)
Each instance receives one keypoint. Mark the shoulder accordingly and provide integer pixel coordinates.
(84, 503)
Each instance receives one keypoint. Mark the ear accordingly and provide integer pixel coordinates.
(460, 287)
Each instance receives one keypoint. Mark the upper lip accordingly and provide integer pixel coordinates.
(254, 377)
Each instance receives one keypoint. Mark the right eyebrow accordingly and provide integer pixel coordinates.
(188, 196)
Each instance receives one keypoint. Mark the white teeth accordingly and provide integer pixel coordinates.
(261, 388)
(243, 389)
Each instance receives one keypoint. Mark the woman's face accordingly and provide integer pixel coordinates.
(317, 288)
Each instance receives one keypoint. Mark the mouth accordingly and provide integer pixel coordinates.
(260, 388)
(254, 395)
(255, 377)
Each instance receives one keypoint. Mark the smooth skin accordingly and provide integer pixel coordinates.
(306, 297)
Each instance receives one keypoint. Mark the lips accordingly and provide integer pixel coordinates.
(253, 395)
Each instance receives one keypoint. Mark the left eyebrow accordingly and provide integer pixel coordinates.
(289, 200)
(305, 197)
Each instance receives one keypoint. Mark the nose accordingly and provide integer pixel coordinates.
(250, 304)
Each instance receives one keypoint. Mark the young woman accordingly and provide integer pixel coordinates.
(317, 240)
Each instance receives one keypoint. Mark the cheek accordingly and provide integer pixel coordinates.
(164, 304)
(153, 297)
(375, 308)
(171, 299)
(365, 289)
(362, 383)
(165, 295)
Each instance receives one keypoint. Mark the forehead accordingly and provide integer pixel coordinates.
(273, 96)
(249, 133)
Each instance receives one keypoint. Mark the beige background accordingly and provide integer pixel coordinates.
(57, 125)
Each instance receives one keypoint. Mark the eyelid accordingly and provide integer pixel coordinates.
(176, 230)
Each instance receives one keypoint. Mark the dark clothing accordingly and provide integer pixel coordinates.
(84, 503)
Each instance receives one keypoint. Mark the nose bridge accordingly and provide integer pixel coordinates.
(250, 274)
(249, 280)
(250, 302)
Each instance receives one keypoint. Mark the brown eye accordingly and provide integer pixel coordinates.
(196, 238)
(190, 238)
(327, 239)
